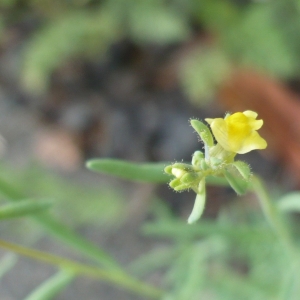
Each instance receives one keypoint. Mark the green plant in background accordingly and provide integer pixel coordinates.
(235, 256)
(235, 134)
(261, 35)
(201, 259)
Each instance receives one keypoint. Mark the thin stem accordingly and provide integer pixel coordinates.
(61, 232)
(273, 216)
(111, 276)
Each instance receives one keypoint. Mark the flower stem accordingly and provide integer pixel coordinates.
(273, 216)
(112, 276)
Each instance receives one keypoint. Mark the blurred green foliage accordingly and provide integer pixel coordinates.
(237, 256)
(260, 34)
(89, 205)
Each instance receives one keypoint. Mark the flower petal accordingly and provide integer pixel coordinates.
(256, 124)
(254, 141)
(237, 132)
(219, 129)
(250, 114)
(209, 121)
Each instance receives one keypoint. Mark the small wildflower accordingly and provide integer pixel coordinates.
(237, 133)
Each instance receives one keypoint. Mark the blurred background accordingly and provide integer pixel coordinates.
(82, 79)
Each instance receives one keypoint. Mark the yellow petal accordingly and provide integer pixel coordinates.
(238, 128)
(209, 121)
(250, 114)
(237, 133)
(219, 129)
(256, 124)
(254, 141)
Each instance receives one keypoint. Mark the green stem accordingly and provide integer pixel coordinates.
(273, 216)
(112, 276)
(62, 232)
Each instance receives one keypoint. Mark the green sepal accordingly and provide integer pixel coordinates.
(174, 183)
(177, 185)
(203, 164)
(243, 168)
(189, 178)
(215, 162)
(183, 166)
(182, 187)
(168, 169)
(235, 179)
(198, 156)
(203, 132)
(220, 153)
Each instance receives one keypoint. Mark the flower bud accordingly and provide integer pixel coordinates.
(189, 178)
(182, 166)
(168, 169)
(175, 182)
(178, 173)
(197, 157)
(177, 185)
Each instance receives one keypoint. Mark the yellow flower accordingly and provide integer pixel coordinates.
(237, 132)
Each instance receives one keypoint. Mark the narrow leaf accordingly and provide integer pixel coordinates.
(150, 172)
(290, 202)
(243, 168)
(203, 132)
(199, 203)
(235, 180)
(50, 288)
(23, 208)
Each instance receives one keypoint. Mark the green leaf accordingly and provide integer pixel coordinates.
(80, 32)
(203, 131)
(50, 288)
(235, 180)
(23, 208)
(151, 22)
(260, 41)
(243, 168)
(202, 73)
(290, 202)
(199, 203)
(149, 172)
